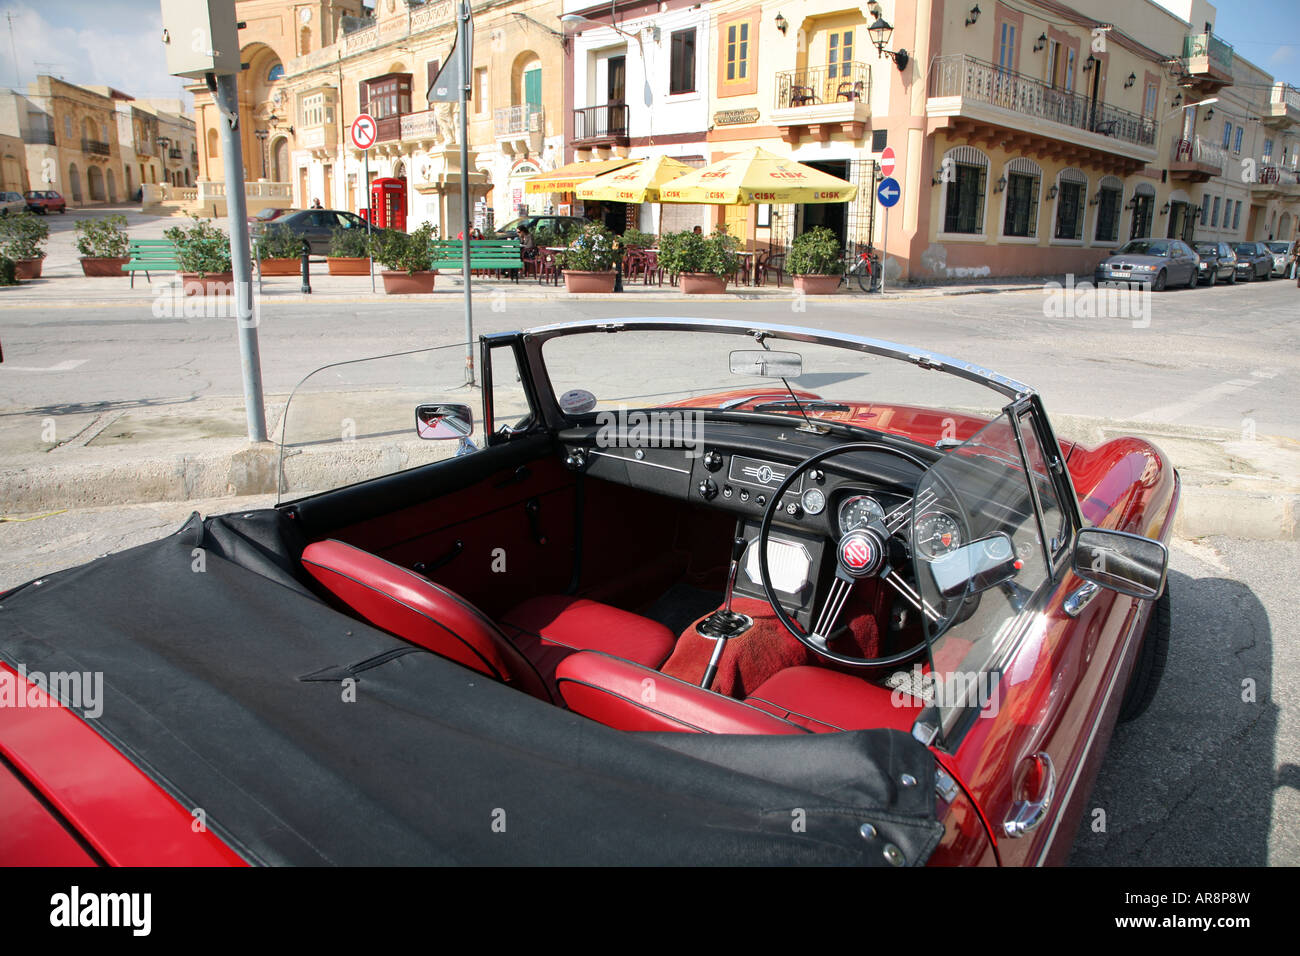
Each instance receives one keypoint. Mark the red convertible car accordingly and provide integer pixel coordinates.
(660, 591)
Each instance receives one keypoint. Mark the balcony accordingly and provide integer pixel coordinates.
(1206, 63)
(999, 107)
(95, 147)
(174, 153)
(596, 127)
(1275, 182)
(39, 137)
(388, 129)
(519, 129)
(822, 101)
(321, 138)
(1196, 160)
(1283, 107)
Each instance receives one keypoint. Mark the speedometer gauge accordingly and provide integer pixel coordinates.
(858, 512)
(937, 534)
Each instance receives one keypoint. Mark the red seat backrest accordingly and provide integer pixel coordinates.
(415, 609)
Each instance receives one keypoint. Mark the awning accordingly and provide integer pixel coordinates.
(757, 176)
(567, 178)
(637, 183)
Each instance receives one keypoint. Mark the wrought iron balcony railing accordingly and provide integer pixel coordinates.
(1199, 150)
(98, 147)
(841, 83)
(972, 79)
(600, 122)
(1208, 45)
(517, 120)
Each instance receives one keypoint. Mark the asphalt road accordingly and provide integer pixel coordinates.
(1220, 357)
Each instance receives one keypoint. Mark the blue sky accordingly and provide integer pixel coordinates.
(116, 42)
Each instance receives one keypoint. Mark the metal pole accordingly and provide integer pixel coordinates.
(370, 223)
(884, 250)
(462, 42)
(225, 90)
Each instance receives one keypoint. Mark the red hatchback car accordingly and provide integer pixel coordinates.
(45, 201)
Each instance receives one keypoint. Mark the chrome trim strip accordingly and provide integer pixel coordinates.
(639, 461)
(1081, 598)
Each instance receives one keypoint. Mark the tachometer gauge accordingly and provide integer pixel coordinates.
(814, 501)
(937, 534)
(858, 512)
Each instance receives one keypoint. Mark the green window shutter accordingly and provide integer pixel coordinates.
(533, 87)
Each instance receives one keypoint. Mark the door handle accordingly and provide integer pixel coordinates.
(1026, 815)
(1081, 598)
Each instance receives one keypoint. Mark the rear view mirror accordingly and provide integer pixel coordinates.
(766, 364)
(975, 567)
(1128, 563)
(443, 421)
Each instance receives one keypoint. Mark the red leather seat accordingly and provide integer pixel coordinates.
(534, 637)
(627, 696)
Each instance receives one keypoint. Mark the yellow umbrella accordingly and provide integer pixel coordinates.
(568, 178)
(637, 183)
(757, 176)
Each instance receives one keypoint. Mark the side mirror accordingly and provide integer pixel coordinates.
(442, 421)
(1128, 563)
(975, 567)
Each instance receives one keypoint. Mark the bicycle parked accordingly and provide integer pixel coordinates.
(864, 270)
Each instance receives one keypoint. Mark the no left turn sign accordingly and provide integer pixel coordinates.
(364, 131)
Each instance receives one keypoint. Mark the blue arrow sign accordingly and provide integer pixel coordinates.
(889, 192)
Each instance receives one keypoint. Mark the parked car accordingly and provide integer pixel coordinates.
(1218, 261)
(12, 202)
(269, 214)
(1156, 262)
(556, 225)
(315, 225)
(1283, 254)
(1254, 261)
(944, 613)
(46, 201)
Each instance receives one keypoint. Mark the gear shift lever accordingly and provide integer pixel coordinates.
(724, 623)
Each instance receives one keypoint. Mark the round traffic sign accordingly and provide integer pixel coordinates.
(364, 131)
(888, 192)
(887, 161)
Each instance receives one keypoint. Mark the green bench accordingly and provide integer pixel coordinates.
(151, 255)
(491, 254)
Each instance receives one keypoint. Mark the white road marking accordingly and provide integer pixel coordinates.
(1208, 396)
(67, 366)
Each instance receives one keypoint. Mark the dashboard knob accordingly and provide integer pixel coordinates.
(794, 510)
(712, 460)
(817, 475)
(708, 489)
(576, 460)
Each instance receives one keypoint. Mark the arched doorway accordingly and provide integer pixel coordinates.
(74, 182)
(280, 160)
(130, 189)
(112, 187)
(1284, 228)
(95, 183)
(1144, 208)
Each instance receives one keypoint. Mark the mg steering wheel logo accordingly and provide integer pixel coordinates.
(857, 553)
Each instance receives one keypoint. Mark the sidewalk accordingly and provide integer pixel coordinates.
(1232, 486)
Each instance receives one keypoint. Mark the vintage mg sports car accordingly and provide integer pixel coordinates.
(663, 591)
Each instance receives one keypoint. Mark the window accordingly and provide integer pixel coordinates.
(1214, 216)
(480, 89)
(1070, 206)
(616, 78)
(1149, 101)
(737, 57)
(1053, 61)
(389, 95)
(67, 126)
(965, 207)
(681, 76)
(1205, 208)
(1268, 152)
(1236, 141)
(1069, 70)
(276, 72)
(1021, 218)
(839, 53)
(1227, 134)
(1007, 46)
(1054, 520)
(1108, 205)
(1236, 216)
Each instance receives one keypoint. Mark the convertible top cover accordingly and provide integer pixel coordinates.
(226, 680)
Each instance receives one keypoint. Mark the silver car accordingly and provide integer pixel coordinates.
(1283, 256)
(11, 202)
(1159, 263)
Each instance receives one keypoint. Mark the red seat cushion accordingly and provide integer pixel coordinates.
(826, 701)
(627, 696)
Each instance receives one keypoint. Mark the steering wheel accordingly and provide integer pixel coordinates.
(861, 553)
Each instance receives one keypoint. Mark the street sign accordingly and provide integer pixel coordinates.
(364, 131)
(887, 161)
(888, 192)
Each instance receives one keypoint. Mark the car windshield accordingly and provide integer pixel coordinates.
(1207, 248)
(269, 212)
(1279, 247)
(1247, 248)
(514, 224)
(1144, 247)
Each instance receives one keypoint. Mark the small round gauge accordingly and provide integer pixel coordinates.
(937, 534)
(814, 501)
(858, 512)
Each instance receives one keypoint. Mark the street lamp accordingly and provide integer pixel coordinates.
(880, 32)
(262, 136)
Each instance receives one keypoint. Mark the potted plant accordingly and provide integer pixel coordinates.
(102, 242)
(22, 239)
(279, 252)
(349, 251)
(816, 261)
(407, 259)
(588, 262)
(203, 250)
(634, 238)
(701, 263)
(8, 274)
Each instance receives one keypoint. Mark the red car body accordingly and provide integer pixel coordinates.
(44, 201)
(70, 798)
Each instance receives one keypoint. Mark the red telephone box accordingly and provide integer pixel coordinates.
(388, 202)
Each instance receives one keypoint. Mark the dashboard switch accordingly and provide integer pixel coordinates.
(708, 489)
(712, 460)
(794, 510)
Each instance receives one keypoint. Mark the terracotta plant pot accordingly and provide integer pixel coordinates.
(817, 285)
(214, 283)
(283, 267)
(405, 283)
(348, 266)
(575, 281)
(701, 283)
(100, 266)
(28, 268)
